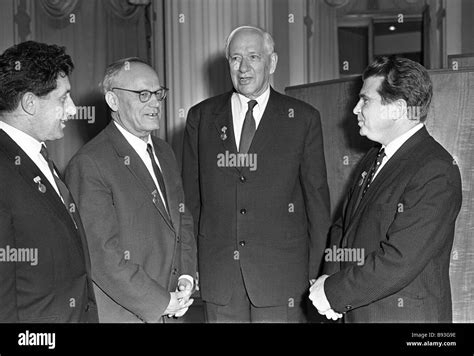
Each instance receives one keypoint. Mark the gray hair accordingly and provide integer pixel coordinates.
(267, 38)
(114, 69)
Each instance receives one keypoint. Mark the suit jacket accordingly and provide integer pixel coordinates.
(137, 250)
(405, 225)
(58, 288)
(271, 222)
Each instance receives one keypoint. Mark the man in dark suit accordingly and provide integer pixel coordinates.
(44, 260)
(255, 180)
(400, 213)
(128, 185)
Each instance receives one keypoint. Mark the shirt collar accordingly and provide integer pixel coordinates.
(395, 144)
(136, 142)
(30, 145)
(261, 100)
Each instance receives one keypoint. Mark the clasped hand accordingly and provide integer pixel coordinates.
(318, 297)
(180, 300)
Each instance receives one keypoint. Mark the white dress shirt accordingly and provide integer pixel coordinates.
(140, 148)
(32, 148)
(395, 144)
(240, 107)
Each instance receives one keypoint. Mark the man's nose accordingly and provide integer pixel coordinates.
(71, 108)
(356, 109)
(243, 67)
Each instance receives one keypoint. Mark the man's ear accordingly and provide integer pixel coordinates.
(273, 62)
(112, 100)
(29, 103)
(400, 109)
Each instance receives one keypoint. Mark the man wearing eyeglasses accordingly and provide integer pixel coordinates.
(128, 186)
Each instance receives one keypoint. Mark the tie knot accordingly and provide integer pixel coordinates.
(252, 104)
(149, 148)
(381, 153)
(380, 157)
(44, 152)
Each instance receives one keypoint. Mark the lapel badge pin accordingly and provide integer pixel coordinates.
(41, 186)
(362, 178)
(154, 193)
(223, 134)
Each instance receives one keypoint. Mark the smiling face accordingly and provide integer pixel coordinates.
(376, 120)
(53, 111)
(250, 63)
(136, 117)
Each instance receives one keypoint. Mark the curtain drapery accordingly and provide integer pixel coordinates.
(123, 9)
(58, 9)
(95, 33)
(322, 37)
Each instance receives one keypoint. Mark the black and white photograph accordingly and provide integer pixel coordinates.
(176, 169)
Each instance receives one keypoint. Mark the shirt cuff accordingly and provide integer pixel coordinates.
(323, 295)
(188, 277)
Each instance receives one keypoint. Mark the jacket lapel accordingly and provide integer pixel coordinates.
(224, 119)
(225, 126)
(266, 126)
(361, 181)
(137, 168)
(169, 178)
(82, 235)
(402, 154)
(30, 172)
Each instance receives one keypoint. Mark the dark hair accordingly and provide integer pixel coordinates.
(403, 79)
(30, 67)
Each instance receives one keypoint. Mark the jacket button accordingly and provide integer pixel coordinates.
(88, 306)
(243, 179)
(175, 271)
(243, 211)
(242, 243)
(178, 240)
(348, 307)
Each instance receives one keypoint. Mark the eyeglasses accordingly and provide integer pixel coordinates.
(145, 95)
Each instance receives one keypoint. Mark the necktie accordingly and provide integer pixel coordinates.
(63, 190)
(248, 129)
(159, 176)
(374, 169)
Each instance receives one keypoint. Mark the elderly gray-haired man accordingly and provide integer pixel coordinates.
(127, 183)
(255, 180)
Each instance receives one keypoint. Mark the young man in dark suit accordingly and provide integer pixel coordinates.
(400, 212)
(255, 180)
(44, 260)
